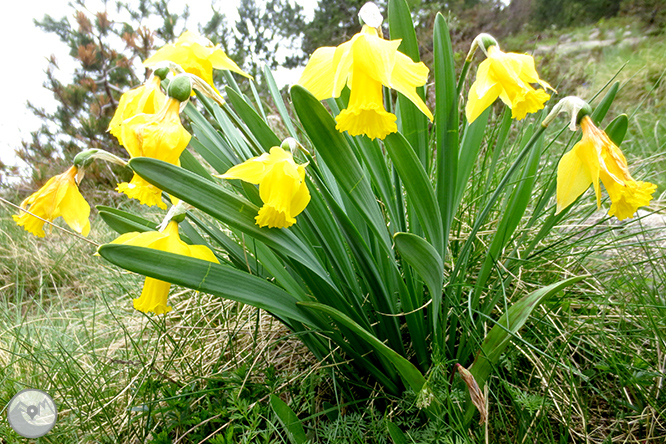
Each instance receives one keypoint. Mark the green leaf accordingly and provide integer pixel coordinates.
(617, 129)
(207, 277)
(190, 163)
(288, 420)
(418, 186)
(339, 157)
(123, 222)
(499, 337)
(410, 374)
(396, 434)
(279, 102)
(428, 264)
(446, 123)
(469, 152)
(602, 108)
(265, 136)
(412, 123)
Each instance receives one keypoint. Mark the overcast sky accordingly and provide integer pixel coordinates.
(25, 53)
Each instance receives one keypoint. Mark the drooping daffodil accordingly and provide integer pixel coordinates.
(506, 75)
(145, 99)
(364, 64)
(196, 55)
(155, 292)
(596, 158)
(60, 196)
(281, 183)
(159, 136)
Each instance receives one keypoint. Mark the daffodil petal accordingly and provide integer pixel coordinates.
(406, 76)
(573, 178)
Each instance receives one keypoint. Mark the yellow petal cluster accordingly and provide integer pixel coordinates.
(60, 196)
(508, 76)
(147, 99)
(596, 157)
(365, 63)
(281, 183)
(159, 136)
(196, 55)
(155, 292)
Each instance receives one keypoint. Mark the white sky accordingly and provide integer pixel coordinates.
(26, 49)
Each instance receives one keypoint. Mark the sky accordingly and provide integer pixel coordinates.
(26, 50)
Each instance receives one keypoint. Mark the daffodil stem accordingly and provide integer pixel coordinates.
(463, 75)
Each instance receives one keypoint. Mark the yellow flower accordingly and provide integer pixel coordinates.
(159, 136)
(365, 63)
(60, 196)
(597, 157)
(507, 76)
(154, 295)
(196, 55)
(147, 98)
(282, 186)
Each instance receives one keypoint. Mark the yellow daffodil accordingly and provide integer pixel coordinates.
(597, 157)
(365, 63)
(147, 99)
(196, 55)
(60, 196)
(508, 76)
(159, 136)
(281, 183)
(154, 295)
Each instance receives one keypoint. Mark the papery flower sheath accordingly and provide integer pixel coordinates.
(145, 99)
(596, 157)
(365, 63)
(60, 196)
(159, 136)
(196, 55)
(281, 183)
(155, 292)
(508, 76)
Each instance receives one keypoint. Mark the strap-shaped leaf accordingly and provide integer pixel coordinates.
(123, 222)
(428, 264)
(208, 277)
(265, 136)
(339, 157)
(228, 208)
(446, 123)
(418, 186)
(412, 123)
(602, 108)
(279, 102)
(409, 373)
(617, 129)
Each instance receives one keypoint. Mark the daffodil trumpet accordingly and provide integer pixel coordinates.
(507, 76)
(365, 64)
(593, 159)
(155, 292)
